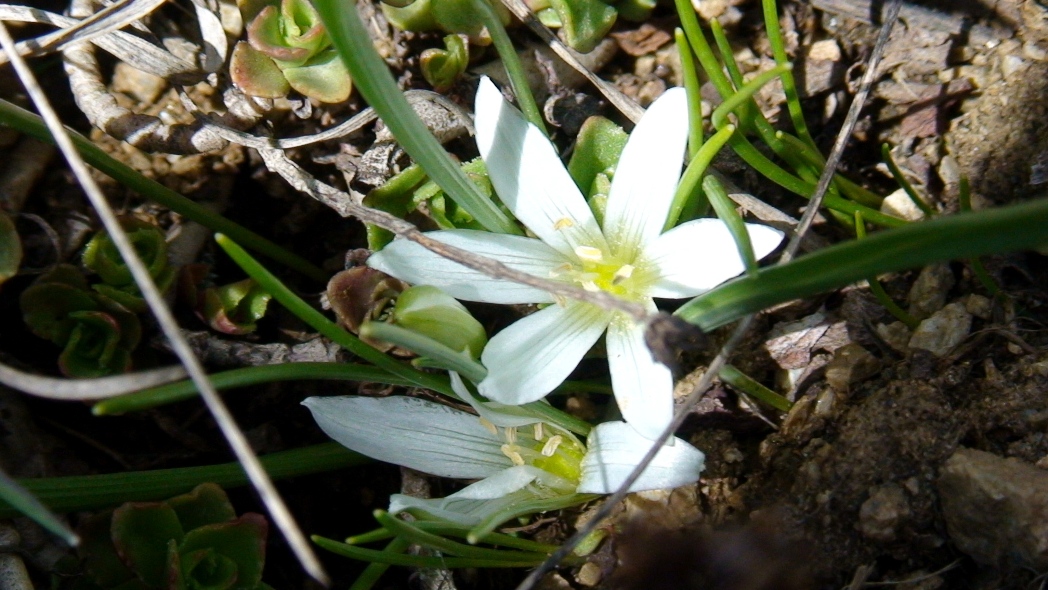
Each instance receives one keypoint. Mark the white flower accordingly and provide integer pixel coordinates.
(629, 257)
(515, 463)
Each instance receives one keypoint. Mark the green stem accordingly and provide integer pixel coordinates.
(514, 69)
(374, 556)
(789, 86)
(965, 198)
(886, 154)
(92, 492)
(878, 290)
(374, 571)
(30, 124)
(725, 209)
(753, 388)
(437, 543)
(694, 172)
(173, 392)
(531, 507)
(694, 89)
(375, 83)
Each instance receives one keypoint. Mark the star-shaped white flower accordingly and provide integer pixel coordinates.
(630, 257)
(516, 458)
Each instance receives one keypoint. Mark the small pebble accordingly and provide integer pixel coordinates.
(899, 204)
(943, 331)
(996, 509)
(928, 293)
(883, 512)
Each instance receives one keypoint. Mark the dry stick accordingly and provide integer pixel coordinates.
(342, 203)
(87, 389)
(737, 334)
(111, 18)
(834, 160)
(252, 467)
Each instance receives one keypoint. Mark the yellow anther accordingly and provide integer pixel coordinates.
(563, 222)
(589, 253)
(551, 445)
(590, 286)
(489, 426)
(538, 431)
(511, 434)
(511, 452)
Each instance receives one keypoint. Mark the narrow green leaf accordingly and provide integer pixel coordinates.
(20, 500)
(965, 235)
(91, 492)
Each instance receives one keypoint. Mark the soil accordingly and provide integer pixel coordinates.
(844, 490)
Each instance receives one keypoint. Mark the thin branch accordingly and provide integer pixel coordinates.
(87, 389)
(256, 473)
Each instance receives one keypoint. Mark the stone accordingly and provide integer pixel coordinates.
(943, 331)
(928, 293)
(883, 512)
(996, 509)
(899, 204)
(851, 363)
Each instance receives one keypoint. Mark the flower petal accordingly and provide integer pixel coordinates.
(537, 353)
(410, 262)
(494, 412)
(647, 175)
(699, 255)
(459, 510)
(504, 482)
(643, 386)
(615, 449)
(529, 177)
(415, 433)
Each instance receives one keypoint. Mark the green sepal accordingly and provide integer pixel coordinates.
(439, 316)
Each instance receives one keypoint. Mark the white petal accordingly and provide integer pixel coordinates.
(537, 353)
(643, 386)
(530, 178)
(415, 433)
(504, 482)
(410, 262)
(647, 175)
(699, 255)
(615, 449)
(461, 511)
(494, 412)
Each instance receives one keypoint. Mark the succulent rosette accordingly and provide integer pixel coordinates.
(287, 48)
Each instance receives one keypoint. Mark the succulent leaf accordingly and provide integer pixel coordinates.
(10, 248)
(442, 67)
(323, 77)
(584, 22)
(256, 73)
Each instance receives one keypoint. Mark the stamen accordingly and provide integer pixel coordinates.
(589, 253)
(511, 452)
(590, 286)
(562, 223)
(560, 270)
(538, 431)
(489, 426)
(511, 434)
(551, 445)
(625, 271)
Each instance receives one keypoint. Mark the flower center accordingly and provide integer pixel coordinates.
(597, 271)
(557, 453)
